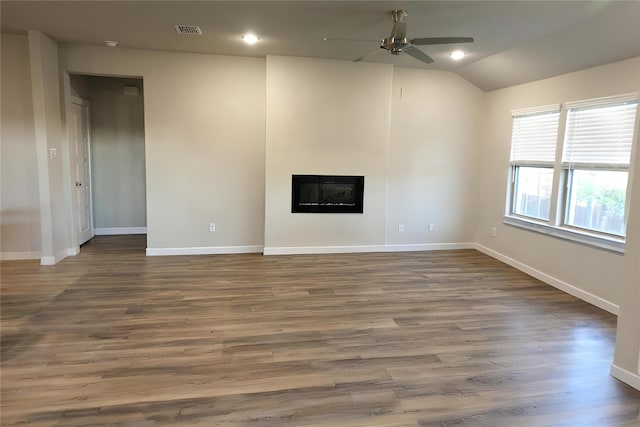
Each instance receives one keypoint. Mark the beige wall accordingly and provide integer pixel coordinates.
(204, 130)
(117, 153)
(593, 271)
(195, 121)
(627, 356)
(400, 128)
(19, 197)
(326, 118)
(53, 171)
(435, 135)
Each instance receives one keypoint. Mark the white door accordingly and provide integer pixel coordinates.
(81, 164)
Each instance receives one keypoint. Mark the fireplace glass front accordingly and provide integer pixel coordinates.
(327, 194)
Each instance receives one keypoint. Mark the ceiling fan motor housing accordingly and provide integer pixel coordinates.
(394, 44)
(398, 39)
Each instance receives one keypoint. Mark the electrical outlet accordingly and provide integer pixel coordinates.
(400, 227)
(431, 227)
(494, 232)
(212, 227)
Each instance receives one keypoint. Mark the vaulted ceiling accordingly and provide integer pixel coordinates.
(515, 41)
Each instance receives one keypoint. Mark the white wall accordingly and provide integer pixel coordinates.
(204, 140)
(326, 118)
(19, 197)
(594, 273)
(117, 153)
(435, 135)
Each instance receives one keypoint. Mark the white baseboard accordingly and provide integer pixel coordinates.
(205, 250)
(53, 260)
(550, 280)
(119, 230)
(429, 247)
(15, 256)
(301, 250)
(305, 250)
(625, 376)
(48, 260)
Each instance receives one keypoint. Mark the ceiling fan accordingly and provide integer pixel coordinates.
(398, 42)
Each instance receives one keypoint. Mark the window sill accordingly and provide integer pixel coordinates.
(597, 241)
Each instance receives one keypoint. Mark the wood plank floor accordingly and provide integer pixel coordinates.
(111, 337)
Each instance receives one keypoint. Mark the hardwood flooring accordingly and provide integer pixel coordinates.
(111, 337)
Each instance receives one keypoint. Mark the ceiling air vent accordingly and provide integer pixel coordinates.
(193, 30)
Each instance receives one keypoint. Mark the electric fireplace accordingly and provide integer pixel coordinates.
(327, 194)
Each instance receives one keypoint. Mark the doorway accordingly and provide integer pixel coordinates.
(115, 189)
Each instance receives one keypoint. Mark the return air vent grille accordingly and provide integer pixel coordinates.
(192, 30)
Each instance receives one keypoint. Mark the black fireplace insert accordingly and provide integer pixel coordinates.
(327, 194)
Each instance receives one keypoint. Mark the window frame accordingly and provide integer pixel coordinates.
(557, 225)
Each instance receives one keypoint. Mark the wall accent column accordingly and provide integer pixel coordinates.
(326, 118)
(50, 152)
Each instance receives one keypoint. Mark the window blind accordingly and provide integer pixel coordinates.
(600, 135)
(534, 136)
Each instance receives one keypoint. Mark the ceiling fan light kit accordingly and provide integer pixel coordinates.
(250, 38)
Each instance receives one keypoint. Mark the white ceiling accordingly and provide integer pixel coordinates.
(515, 41)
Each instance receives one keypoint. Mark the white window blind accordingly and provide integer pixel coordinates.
(600, 134)
(534, 136)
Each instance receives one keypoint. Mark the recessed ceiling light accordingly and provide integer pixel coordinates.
(111, 43)
(250, 38)
(457, 54)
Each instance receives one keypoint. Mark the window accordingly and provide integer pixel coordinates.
(596, 200)
(533, 151)
(532, 187)
(597, 150)
(577, 190)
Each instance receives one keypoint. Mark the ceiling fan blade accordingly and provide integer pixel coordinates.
(332, 39)
(418, 54)
(441, 40)
(368, 54)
